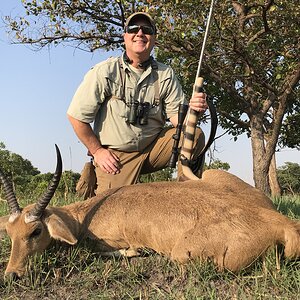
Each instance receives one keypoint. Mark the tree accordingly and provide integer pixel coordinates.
(290, 131)
(28, 181)
(289, 178)
(251, 63)
(217, 164)
(15, 165)
(252, 67)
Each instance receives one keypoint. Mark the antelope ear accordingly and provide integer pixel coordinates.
(3, 221)
(59, 230)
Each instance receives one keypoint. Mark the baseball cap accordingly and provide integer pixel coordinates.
(141, 15)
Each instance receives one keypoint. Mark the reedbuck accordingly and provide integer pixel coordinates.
(218, 218)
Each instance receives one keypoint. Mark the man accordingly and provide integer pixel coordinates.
(129, 100)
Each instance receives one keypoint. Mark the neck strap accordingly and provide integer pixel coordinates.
(144, 65)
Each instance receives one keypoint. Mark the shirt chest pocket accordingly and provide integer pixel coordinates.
(116, 104)
(118, 107)
(115, 88)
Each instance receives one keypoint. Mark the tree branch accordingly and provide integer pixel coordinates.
(242, 124)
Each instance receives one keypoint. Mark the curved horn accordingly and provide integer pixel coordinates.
(10, 195)
(38, 210)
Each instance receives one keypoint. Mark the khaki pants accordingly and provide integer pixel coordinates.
(154, 158)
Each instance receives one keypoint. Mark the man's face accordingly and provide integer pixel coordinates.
(139, 43)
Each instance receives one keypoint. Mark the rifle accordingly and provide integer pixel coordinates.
(190, 167)
(183, 108)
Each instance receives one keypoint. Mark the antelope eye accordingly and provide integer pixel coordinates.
(35, 233)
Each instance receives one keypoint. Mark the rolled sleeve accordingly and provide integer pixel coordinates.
(88, 96)
(173, 95)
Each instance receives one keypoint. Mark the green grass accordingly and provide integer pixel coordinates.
(80, 273)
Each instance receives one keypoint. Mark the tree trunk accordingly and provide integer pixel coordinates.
(261, 161)
(273, 179)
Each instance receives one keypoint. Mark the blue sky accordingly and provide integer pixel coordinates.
(35, 92)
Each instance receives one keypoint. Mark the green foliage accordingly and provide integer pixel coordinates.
(88, 24)
(290, 136)
(217, 164)
(36, 186)
(67, 183)
(162, 175)
(289, 178)
(28, 182)
(14, 165)
(251, 54)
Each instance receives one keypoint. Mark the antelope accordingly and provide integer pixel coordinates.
(218, 218)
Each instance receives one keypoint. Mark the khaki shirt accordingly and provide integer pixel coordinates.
(102, 99)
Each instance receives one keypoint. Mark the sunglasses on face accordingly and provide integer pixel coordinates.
(136, 28)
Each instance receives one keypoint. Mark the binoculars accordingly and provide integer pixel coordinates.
(139, 112)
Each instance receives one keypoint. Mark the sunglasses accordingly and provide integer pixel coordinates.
(136, 28)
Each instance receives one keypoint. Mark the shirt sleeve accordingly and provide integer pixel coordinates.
(89, 96)
(173, 95)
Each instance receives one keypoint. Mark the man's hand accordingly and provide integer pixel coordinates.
(198, 102)
(104, 158)
(107, 161)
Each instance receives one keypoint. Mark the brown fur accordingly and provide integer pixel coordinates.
(219, 217)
